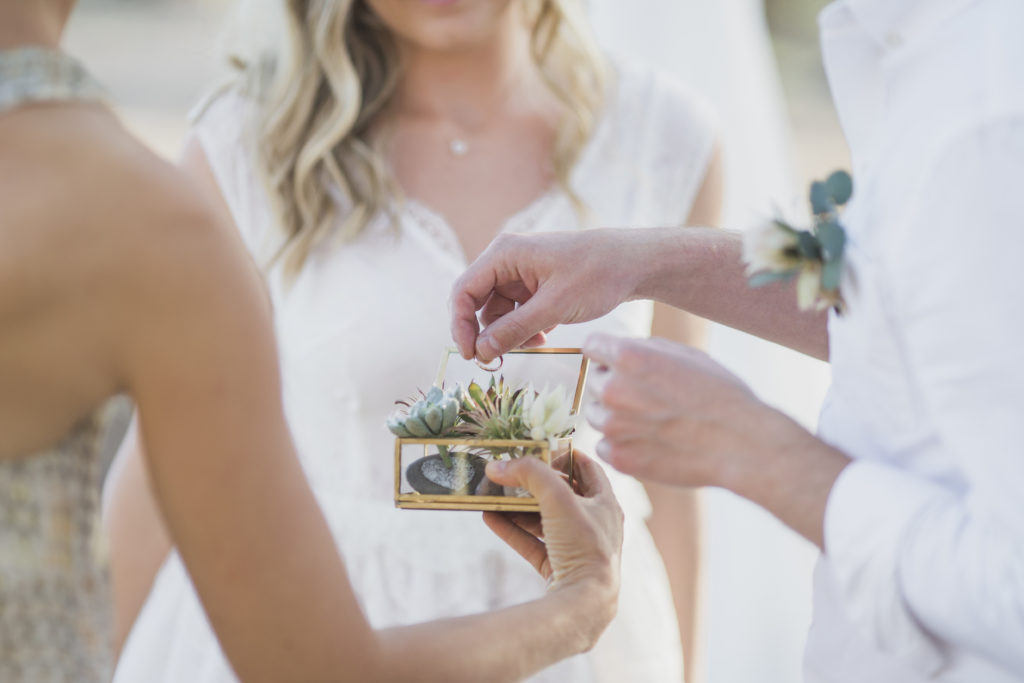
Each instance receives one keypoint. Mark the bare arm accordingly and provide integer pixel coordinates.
(139, 541)
(702, 271)
(522, 287)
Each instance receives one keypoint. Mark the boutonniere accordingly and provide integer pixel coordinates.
(780, 252)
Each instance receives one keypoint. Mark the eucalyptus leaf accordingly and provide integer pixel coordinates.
(810, 249)
(832, 239)
(840, 187)
(771, 277)
(831, 273)
(821, 198)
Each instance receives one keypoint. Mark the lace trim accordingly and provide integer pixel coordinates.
(39, 75)
(440, 230)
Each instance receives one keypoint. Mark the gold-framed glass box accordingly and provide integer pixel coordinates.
(447, 473)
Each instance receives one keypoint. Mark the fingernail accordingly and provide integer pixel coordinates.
(498, 466)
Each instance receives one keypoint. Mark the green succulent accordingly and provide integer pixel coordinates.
(496, 413)
(434, 416)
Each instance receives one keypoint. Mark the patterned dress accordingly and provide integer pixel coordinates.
(55, 614)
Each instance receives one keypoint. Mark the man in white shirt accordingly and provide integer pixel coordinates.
(915, 488)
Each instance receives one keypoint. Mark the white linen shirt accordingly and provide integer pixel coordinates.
(923, 574)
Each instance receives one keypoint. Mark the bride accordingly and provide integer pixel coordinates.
(118, 277)
(378, 152)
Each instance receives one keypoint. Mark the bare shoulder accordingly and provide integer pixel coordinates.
(104, 242)
(84, 199)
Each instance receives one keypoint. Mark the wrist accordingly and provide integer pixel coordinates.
(789, 472)
(679, 261)
(589, 604)
(658, 251)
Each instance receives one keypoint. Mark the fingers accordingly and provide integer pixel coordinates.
(537, 477)
(591, 480)
(627, 457)
(470, 292)
(603, 349)
(523, 542)
(515, 328)
(497, 305)
(530, 522)
(464, 326)
(539, 339)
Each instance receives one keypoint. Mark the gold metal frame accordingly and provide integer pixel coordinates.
(421, 501)
(580, 383)
(424, 501)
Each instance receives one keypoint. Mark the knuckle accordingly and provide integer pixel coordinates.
(633, 357)
(504, 241)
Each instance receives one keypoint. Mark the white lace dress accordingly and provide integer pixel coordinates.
(364, 324)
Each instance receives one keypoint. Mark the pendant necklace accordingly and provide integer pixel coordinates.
(458, 147)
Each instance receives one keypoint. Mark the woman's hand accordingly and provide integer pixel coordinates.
(576, 540)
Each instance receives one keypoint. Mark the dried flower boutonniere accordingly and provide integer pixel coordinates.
(779, 252)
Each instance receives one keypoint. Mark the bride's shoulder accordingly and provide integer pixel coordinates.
(224, 128)
(658, 105)
(223, 118)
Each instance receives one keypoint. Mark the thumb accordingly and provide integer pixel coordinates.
(518, 326)
(536, 476)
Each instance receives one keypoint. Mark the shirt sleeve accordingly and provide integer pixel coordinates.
(924, 564)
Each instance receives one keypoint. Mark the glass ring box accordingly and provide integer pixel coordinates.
(525, 405)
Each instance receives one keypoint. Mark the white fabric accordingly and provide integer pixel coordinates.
(364, 324)
(924, 533)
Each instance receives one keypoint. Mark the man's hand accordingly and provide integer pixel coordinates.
(668, 412)
(672, 415)
(525, 285)
(576, 540)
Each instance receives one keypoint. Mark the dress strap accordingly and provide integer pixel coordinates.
(35, 74)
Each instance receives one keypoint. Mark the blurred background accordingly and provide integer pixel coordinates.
(759, 64)
(176, 54)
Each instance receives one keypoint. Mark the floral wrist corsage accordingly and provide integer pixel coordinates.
(779, 252)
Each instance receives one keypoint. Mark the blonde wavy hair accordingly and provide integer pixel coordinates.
(319, 95)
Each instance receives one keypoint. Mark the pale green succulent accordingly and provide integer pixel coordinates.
(432, 417)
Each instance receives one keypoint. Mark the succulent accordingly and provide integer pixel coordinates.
(496, 413)
(548, 414)
(434, 416)
(500, 412)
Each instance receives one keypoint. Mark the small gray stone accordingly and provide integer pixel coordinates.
(431, 476)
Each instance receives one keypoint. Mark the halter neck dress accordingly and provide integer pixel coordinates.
(55, 608)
